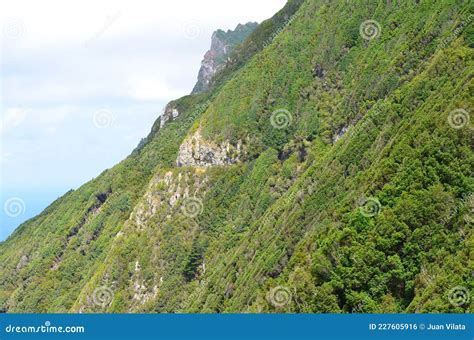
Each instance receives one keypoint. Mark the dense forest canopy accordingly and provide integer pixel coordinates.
(329, 168)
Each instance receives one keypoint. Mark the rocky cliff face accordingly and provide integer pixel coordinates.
(170, 112)
(164, 191)
(222, 43)
(196, 151)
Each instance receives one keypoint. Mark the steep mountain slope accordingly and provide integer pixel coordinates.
(60, 237)
(331, 171)
(48, 259)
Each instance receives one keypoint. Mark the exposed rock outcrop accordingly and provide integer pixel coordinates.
(222, 44)
(169, 113)
(23, 262)
(164, 193)
(196, 151)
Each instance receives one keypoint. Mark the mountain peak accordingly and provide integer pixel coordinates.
(222, 44)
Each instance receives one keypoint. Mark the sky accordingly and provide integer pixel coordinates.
(81, 82)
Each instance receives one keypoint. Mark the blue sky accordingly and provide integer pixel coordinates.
(82, 82)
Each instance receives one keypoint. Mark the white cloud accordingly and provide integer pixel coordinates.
(51, 22)
(59, 51)
(150, 87)
(65, 60)
(12, 118)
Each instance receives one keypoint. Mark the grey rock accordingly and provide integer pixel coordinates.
(222, 44)
(169, 113)
(195, 151)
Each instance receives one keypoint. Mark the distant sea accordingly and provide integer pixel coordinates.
(18, 206)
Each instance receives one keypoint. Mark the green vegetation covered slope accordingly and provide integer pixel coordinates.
(352, 191)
